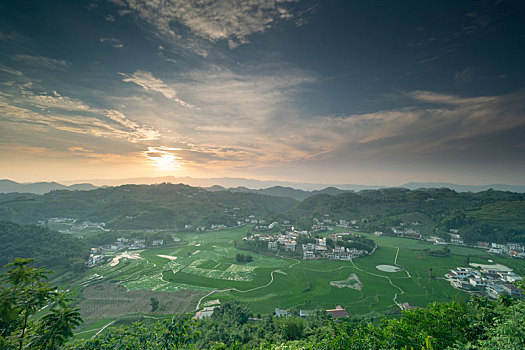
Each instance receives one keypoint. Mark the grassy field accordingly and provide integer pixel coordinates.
(203, 267)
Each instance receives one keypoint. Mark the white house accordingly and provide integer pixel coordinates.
(280, 313)
(95, 259)
(308, 255)
(290, 245)
(308, 246)
(206, 312)
(272, 245)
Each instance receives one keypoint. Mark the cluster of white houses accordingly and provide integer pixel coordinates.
(492, 280)
(336, 313)
(513, 249)
(315, 250)
(121, 243)
(72, 224)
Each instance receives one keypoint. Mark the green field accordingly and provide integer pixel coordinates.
(203, 267)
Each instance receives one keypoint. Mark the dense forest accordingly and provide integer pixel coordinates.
(494, 216)
(143, 206)
(49, 248)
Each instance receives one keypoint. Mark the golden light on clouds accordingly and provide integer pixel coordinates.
(164, 158)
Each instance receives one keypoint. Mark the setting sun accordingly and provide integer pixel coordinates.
(163, 157)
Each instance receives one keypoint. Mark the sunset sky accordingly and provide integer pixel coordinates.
(364, 92)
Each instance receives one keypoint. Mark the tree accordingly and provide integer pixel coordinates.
(293, 327)
(23, 292)
(154, 304)
(166, 334)
(56, 328)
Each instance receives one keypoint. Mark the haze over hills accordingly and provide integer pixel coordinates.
(296, 190)
(465, 188)
(8, 186)
(225, 182)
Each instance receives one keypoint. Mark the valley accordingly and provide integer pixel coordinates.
(201, 268)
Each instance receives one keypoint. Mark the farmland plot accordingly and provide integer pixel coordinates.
(232, 273)
(108, 300)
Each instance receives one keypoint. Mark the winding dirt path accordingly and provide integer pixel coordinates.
(389, 281)
(395, 263)
(236, 290)
(102, 329)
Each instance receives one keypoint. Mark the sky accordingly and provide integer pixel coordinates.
(363, 92)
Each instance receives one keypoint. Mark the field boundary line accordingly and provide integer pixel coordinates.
(389, 280)
(102, 329)
(235, 290)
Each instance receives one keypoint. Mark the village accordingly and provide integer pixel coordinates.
(97, 254)
(492, 281)
(515, 250)
(312, 248)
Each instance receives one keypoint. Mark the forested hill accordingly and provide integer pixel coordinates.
(49, 248)
(280, 191)
(143, 206)
(495, 216)
(8, 186)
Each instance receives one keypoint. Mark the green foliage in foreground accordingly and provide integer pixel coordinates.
(23, 293)
(479, 324)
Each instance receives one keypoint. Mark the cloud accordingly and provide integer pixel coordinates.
(465, 76)
(230, 20)
(433, 97)
(456, 123)
(148, 82)
(45, 111)
(12, 36)
(163, 157)
(11, 71)
(115, 42)
(428, 60)
(110, 18)
(78, 149)
(46, 62)
(237, 127)
(87, 156)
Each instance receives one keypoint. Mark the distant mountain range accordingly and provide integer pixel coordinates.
(280, 191)
(8, 186)
(296, 190)
(465, 188)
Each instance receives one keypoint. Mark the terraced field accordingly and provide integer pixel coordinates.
(203, 268)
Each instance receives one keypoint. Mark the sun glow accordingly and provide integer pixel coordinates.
(164, 157)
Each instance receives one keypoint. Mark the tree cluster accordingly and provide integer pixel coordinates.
(241, 258)
(47, 247)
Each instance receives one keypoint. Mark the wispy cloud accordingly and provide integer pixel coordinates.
(12, 36)
(233, 21)
(433, 97)
(11, 71)
(465, 76)
(148, 82)
(42, 61)
(53, 111)
(115, 42)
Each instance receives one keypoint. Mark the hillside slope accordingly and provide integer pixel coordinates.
(143, 206)
(490, 215)
(47, 247)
